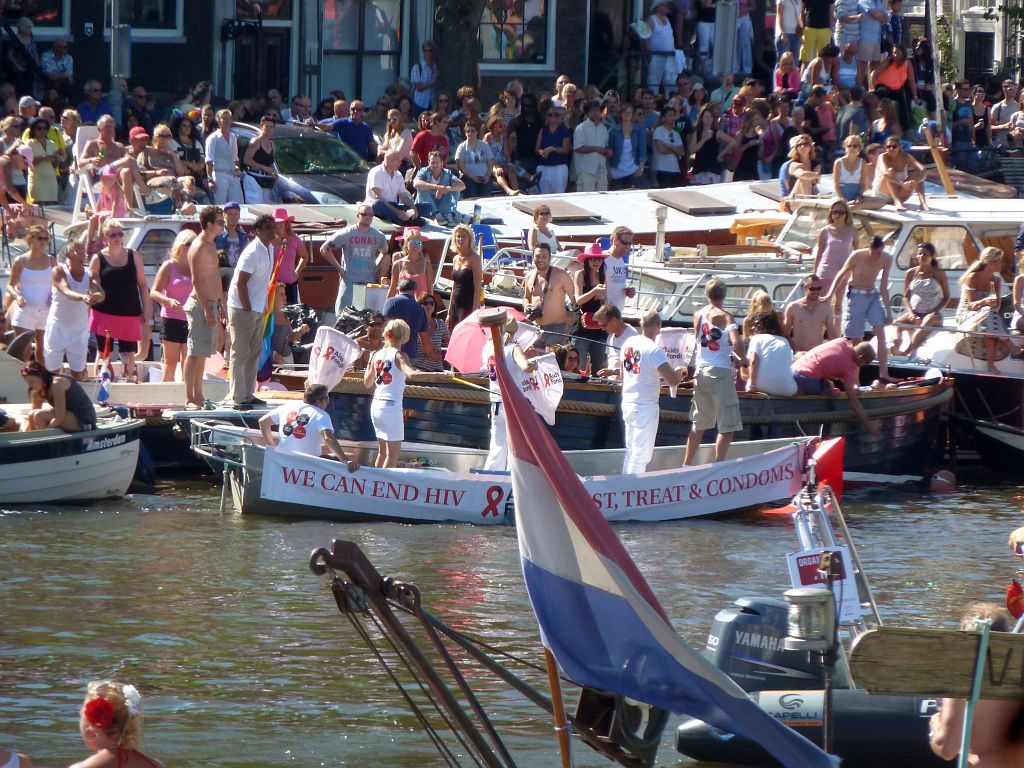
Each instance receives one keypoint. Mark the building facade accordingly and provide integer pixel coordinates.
(361, 46)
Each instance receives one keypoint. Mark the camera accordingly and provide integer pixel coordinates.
(534, 312)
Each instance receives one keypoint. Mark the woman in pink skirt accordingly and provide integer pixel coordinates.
(126, 312)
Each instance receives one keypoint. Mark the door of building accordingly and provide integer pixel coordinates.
(979, 55)
(609, 20)
(261, 61)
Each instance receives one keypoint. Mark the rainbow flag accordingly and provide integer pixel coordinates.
(268, 316)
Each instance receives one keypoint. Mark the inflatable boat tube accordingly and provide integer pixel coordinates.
(868, 731)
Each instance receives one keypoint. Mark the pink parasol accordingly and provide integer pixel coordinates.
(466, 346)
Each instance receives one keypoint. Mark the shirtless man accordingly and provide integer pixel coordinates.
(206, 307)
(809, 321)
(546, 290)
(867, 298)
(898, 176)
(996, 737)
(105, 150)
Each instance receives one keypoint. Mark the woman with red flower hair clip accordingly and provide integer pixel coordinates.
(111, 726)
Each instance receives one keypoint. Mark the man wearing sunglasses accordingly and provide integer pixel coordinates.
(809, 320)
(359, 253)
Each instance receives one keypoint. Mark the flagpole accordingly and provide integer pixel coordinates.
(495, 319)
(558, 710)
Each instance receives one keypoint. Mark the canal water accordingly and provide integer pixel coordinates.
(244, 661)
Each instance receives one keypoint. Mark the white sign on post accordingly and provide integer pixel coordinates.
(803, 572)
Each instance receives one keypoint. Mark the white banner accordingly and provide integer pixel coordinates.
(423, 495)
(333, 353)
(803, 572)
(543, 388)
(326, 487)
(670, 494)
(676, 343)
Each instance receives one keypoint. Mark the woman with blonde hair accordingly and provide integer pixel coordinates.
(386, 374)
(980, 296)
(467, 276)
(760, 303)
(397, 137)
(110, 722)
(171, 289)
(412, 263)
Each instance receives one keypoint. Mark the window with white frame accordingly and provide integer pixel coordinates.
(516, 33)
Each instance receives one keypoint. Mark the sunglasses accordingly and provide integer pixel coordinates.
(415, 242)
(816, 289)
(543, 213)
(837, 212)
(365, 213)
(116, 234)
(427, 303)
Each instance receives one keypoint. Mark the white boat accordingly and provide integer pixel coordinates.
(278, 483)
(52, 465)
(672, 281)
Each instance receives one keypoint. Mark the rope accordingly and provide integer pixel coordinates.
(453, 394)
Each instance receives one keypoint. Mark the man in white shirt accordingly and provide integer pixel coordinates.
(609, 318)
(715, 401)
(387, 195)
(591, 151)
(615, 269)
(247, 299)
(222, 161)
(304, 429)
(644, 365)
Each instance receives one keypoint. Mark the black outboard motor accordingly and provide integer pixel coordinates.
(748, 643)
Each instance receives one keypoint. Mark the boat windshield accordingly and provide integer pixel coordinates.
(808, 221)
(314, 154)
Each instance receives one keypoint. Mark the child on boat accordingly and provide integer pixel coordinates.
(386, 374)
(111, 726)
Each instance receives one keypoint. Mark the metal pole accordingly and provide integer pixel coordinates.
(983, 627)
(933, 35)
(114, 97)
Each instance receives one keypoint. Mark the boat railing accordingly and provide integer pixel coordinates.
(817, 515)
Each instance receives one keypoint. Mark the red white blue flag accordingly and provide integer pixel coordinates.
(597, 614)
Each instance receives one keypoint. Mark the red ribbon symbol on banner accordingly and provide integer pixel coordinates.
(494, 495)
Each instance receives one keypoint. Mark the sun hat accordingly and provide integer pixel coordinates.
(26, 151)
(592, 251)
(138, 132)
(281, 216)
(410, 232)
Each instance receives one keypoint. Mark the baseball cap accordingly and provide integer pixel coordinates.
(232, 206)
(27, 101)
(138, 132)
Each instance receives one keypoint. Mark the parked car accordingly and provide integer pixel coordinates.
(313, 166)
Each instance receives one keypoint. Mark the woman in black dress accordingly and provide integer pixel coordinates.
(467, 276)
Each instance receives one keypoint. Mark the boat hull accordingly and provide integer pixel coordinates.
(588, 419)
(275, 483)
(54, 466)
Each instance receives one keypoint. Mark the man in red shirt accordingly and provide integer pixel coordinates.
(837, 359)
